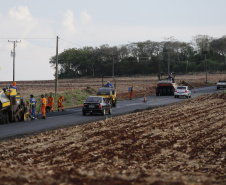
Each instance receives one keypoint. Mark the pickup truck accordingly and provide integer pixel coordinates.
(182, 91)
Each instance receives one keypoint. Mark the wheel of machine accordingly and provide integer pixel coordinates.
(168, 91)
(157, 92)
(24, 114)
(114, 103)
(5, 118)
(160, 92)
(175, 96)
(103, 112)
(109, 112)
(20, 114)
(83, 113)
(17, 118)
(164, 91)
(172, 91)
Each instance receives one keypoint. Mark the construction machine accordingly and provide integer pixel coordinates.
(166, 86)
(108, 92)
(12, 107)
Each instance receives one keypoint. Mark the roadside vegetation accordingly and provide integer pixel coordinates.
(72, 98)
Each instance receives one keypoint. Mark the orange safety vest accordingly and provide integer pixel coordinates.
(61, 99)
(44, 102)
(50, 99)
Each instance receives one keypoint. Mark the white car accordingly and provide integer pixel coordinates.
(221, 84)
(182, 91)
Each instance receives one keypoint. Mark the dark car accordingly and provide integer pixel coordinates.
(96, 104)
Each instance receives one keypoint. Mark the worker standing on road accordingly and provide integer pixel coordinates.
(32, 105)
(43, 107)
(50, 101)
(131, 92)
(60, 103)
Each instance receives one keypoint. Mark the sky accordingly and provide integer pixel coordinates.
(35, 26)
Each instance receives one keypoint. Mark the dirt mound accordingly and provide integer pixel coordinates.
(90, 90)
(181, 144)
(183, 83)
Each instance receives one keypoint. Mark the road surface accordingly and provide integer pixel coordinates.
(73, 116)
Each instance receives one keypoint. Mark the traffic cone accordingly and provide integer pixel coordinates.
(194, 90)
(144, 98)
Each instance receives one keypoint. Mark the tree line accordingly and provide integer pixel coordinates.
(150, 57)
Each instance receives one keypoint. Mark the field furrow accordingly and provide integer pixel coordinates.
(181, 144)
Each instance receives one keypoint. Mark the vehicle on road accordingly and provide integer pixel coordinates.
(166, 86)
(108, 92)
(182, 91)
(12, 106)
(221, 84)
(96, 105)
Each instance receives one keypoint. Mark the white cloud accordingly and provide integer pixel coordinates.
(21, 13)
(18, 22)
(68, 21)
(85, 18)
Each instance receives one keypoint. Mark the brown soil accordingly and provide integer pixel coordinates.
(142, 84)
(181, 144)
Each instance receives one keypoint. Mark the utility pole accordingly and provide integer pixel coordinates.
(14, 54)
(56, 75)
(113, 70)
(168, 62)
(206, 67)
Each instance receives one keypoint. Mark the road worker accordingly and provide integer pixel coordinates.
(43, 106)
(170, 76)
(60, 103)
(13, 86)
(32, 105)
(131, 92)
(50, 101)
(108, 84)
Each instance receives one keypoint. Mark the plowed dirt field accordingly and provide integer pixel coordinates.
(181, 144)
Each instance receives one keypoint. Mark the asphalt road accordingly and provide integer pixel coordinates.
(73, 116)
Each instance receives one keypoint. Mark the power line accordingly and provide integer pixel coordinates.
(70, 42)
(25, 38)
